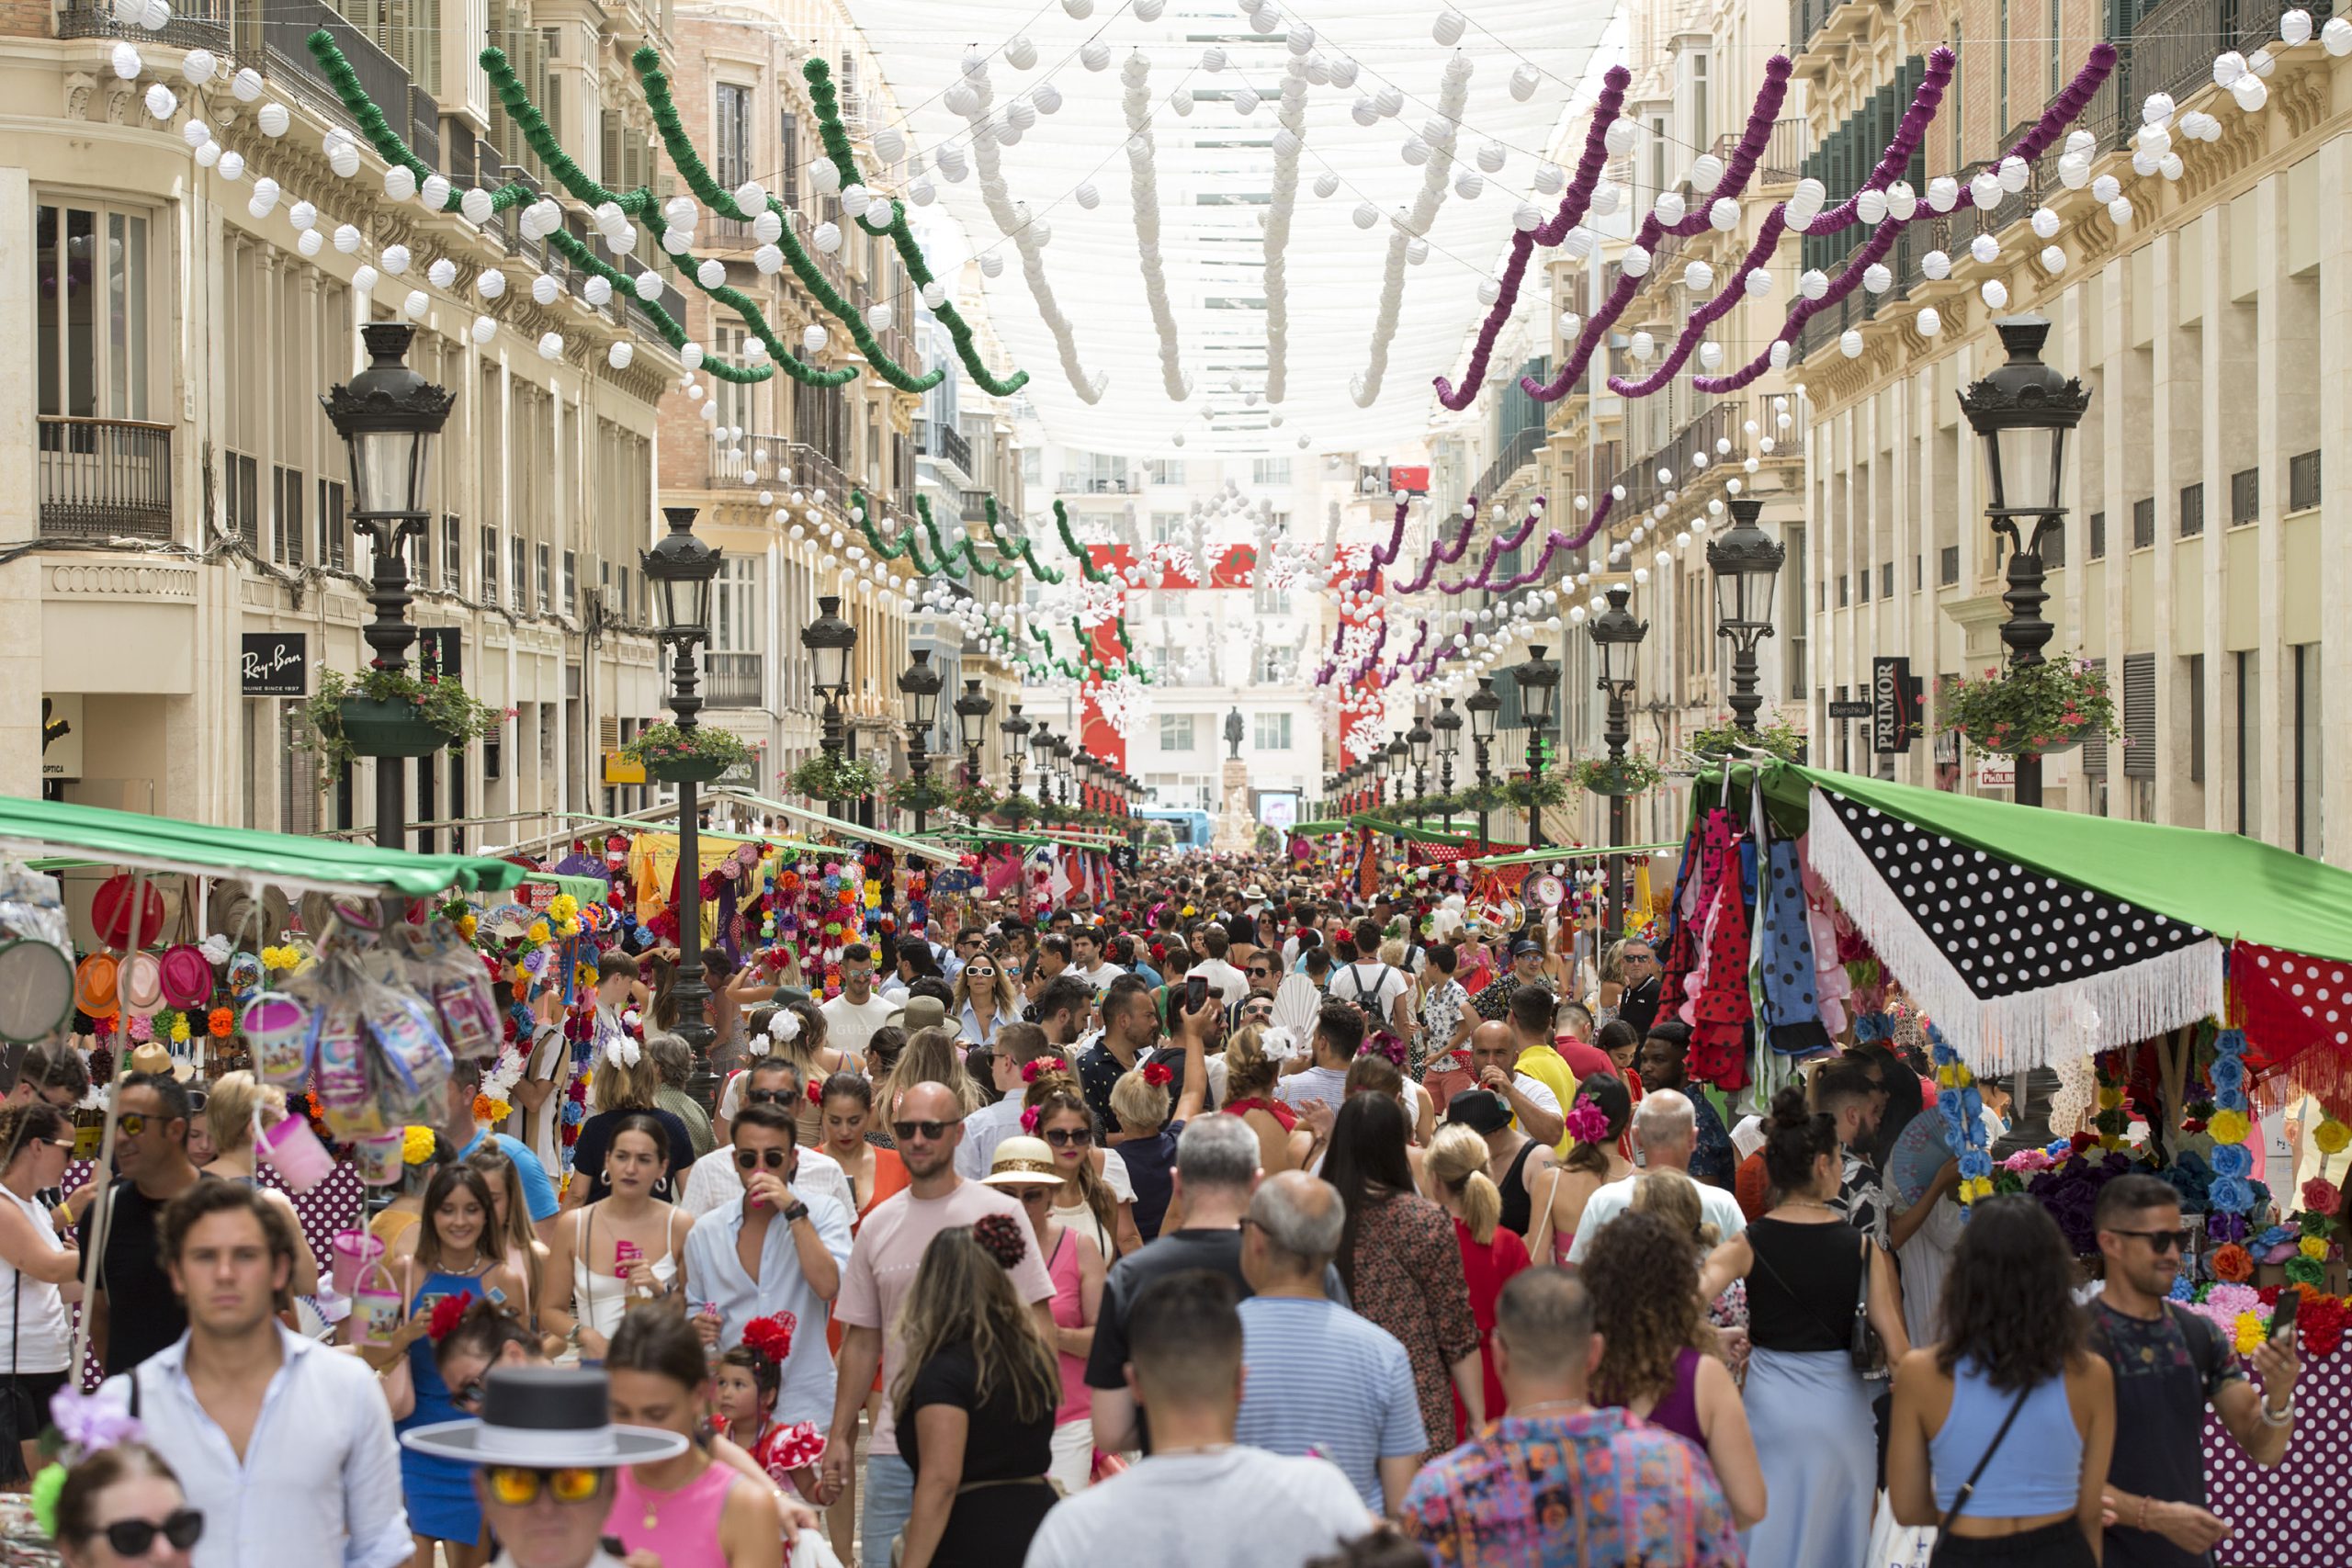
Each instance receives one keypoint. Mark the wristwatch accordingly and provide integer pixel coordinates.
(797, 1213)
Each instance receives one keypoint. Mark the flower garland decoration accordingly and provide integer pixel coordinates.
(2331, 1137)
(1960, 1104)
(2231, 1161)
(1407, 228)
(2113, 1119)
(221, 1022)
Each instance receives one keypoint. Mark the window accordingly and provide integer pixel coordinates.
(1167, 527)
(571, 583)
(1886, 579)
(2192, 511)
(1703, 134)
(2140, 716)
(2094, 744)
(241, 500)
(1272, 732)
(2053, 34)
(547, 585)
(286, 516)
(2099, 535)
(735, 605)
(789, 132)
(1164, 470)
(1948, 566)
(731, 160)
(1659, 139)
(1270, 471)
(2305, 794)
(1269, 600)
(453, 575)
(2246, 738)
(2302, 481)
(334, 534)
(1797, 672)
(1863, 585)
(2001, 69)
(90, 274)
(2053, 546)
(1176, 731)
(518, 575)
(489, 566)
(2246, 497)
(2193, 667)
(1844, 597)
(2143, 523)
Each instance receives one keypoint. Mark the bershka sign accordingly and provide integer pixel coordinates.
(1896, 702)
(275, 664)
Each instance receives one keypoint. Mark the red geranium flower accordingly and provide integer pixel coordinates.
(1157, 1074)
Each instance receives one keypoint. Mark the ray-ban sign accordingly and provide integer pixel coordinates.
(275, 664)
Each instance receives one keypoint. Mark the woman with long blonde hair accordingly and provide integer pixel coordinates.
(796, 1034)
(976, 1392)
(234, 1110)
(931, 1057)
(986, 998)
(1456, 1172)
(623, 1083)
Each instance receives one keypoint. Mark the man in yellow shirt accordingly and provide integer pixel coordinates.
(1539, 1058)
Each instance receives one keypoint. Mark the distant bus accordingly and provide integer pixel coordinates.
(1192, 828)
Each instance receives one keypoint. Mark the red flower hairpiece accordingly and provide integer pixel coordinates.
(1157, 1074)
(1002, 1238)
(446, 1313)
(1029, 1119)
(1030, 1070)
(772, 1336)
(816, 1092)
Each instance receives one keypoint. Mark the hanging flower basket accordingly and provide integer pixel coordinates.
(1527, 794)
(1775, 734)
(974, 801)
(918, 794)
(699, 755)
(2032, 711)
(391, 712)
(830, 775)
(1633, 774)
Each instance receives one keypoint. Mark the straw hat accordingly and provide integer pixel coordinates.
(917, 1013)
(1022, 1161)
(545, 1417)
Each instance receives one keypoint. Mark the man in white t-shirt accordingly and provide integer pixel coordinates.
(1229, 984)
(1380, 990)
(1199, 1497)
(1665, 1132)
(714, 1182)
(1087, 962)
(1339, 1032)
(852, 1018)
(928, 1125)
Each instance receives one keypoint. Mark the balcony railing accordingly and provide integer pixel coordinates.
(1097, 485)
(1516, 453)
(731, 680)
(1784, 154)
(937, 438)
(972, 505)
(104, 477)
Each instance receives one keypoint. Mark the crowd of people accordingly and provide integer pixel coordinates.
(1042, 1241)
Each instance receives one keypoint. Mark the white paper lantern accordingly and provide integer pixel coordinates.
(1870, 206)
(246, 85)
(1365, 215)
(1813, 283)
(935, 294)
(2053, 260)
(1094, 55)
(1468, 184)
(395, 259)
(1985, 190)
(691, 355)
(2228, 67)
(162, 102)
(442, 273)
(2119, 211)
(154, 15)
(647, 285)
(1635, 263)
(400, 182)
(233, 166)
(2336, 37)
(1671, 209)
(346, 239)
(2016, 173)
(711, 274)
(597, 291)
(310, 242)
(483, 330)
(126, 62)
(1902, 201)
(1849, 343)
(1944, 194)
(416, 304)
(195, 133)
(1711, 355)
(2251, 93)
(1877, 278)
(1620, 136)
(1698, 277)
(826, 238)
(365, 279)
(550, 345)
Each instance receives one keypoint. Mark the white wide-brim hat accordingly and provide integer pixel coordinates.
(545, 1417)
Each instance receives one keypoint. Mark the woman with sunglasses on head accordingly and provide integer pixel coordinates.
(620, 1250)
(122, 1505)
(689, 1510)
(457, 1254)
(35, 1142)
(985, 999)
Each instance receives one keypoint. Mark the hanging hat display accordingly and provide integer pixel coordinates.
(96, 980)
(142, 985)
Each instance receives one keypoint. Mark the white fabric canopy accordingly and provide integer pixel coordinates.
(1208, 163)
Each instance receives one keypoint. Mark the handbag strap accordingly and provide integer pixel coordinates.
(1968, 1487)
(1863, 1285)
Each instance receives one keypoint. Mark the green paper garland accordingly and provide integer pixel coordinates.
(1070, 542)
(336, 68)
(647, 64)
(1023, 550)
(820, 76)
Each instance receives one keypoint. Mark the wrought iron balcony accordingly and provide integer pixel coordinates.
(104, 477)
(731, 680)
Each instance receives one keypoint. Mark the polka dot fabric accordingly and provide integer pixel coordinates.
(2004, 930)
(2298, 1515)
(2297, 1014)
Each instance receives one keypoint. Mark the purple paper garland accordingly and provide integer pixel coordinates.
(1441, 553)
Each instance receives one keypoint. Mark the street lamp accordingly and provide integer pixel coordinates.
(972, 710)
(1448, 725)
(387, 416)
(1483, 705)
(920, 686)
(1418, 741)
(830, 641)
(2022, 412)
(1617, 637)
(1539, 688)
(1397, 755)
(1016, 745)
(1746, 562)
(681, 568)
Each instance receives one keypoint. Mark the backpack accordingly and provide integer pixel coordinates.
(1369, 1004)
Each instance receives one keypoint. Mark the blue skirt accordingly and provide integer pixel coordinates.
(1817, 1445)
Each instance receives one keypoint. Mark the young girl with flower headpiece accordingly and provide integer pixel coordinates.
(744, 1386)
(794, 1034)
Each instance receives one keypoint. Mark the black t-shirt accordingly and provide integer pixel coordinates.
(1098, 1071)
(1000, 1444)
(143, 1313)
(596, 1138)
(2167, 1370)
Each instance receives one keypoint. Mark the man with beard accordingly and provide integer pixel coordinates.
(1664, 1064)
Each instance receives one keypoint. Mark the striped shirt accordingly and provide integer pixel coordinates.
(1322, 1381)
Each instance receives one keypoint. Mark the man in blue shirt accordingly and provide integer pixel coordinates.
(458, 1126)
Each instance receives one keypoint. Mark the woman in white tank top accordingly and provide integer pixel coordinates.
(35, 1139)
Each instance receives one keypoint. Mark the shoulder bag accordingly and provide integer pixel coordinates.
(1867, 1349)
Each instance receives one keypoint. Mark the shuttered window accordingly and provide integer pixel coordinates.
(2140, 716)
(2095, 747)
(2192, 511)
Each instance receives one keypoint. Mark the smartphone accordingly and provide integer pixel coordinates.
(2282, 1315)
(1196, 992)
(626, 1253)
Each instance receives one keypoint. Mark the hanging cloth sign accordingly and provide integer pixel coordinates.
(2017, 968)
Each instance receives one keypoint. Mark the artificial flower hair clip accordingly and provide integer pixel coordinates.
(1002, 1238)
(1032, 1071)
(625, 1051)
(816, 1092)
(1158, 1074)
(1278, 1043)
(772, 1335)
(1029, 1120)
(785, 1026)
(446, 1313)
(1586, 1121)
(82, 1425)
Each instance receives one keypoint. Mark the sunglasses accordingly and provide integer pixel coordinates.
(750, 1159)
(518, 1486)
(1067, 1137)
(470, 1396)
(132, 1123)
(929, 1132)
(133, 1537)
(2161, 1241)
(768, 1097)
(979, 973)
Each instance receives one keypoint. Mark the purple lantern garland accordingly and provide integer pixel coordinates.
(1497, 547)
(1441, 553)
(1523, 242)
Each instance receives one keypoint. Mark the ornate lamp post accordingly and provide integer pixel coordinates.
(1417, 740)
(387, 416)
(1746, 562)
(1016, 745)
(2022, 412)
(972, 710)
(830, 641)
(681, 568)
(1539, 689)
(1447, 726)
(920, 686)
(1618, 638)
(1400, 756)
(1483, 705)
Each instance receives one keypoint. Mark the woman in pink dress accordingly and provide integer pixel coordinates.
(691, 1511)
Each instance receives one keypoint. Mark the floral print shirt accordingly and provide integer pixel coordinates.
(1441, 1016)
(1595, 1489)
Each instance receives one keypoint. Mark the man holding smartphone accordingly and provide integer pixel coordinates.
(2170, 1364)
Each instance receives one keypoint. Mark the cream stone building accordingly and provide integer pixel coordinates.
(2201, 543)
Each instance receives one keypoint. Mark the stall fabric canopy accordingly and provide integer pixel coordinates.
(1552, 853)
(2033, 935)
(131, 838)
